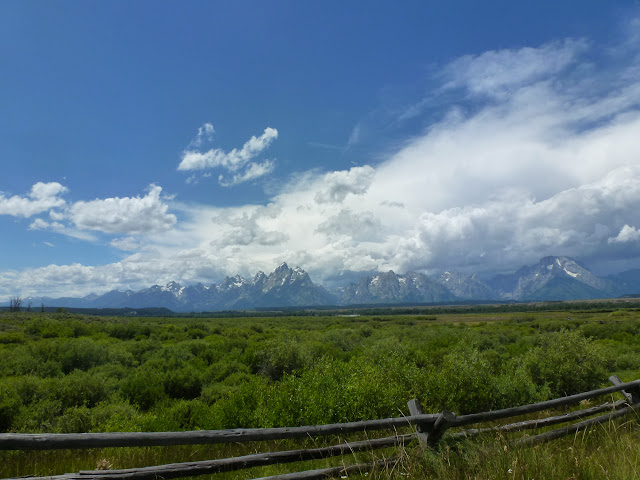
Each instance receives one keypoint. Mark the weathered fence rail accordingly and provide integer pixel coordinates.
(429, 429)
(54, 441)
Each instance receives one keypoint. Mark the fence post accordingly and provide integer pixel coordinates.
(631, 396)
(430, 435)
(416, 409)
(441, 425)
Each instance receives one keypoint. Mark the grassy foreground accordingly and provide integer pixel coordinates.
(72, 373)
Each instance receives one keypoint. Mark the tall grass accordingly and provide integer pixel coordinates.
(609, 451)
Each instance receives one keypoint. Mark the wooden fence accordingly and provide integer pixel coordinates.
(429, 429)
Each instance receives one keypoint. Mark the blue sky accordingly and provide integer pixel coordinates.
(143, 142)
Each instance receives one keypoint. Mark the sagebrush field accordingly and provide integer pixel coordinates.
(71, 373)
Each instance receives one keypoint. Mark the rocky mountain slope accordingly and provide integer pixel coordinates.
(392, 288)
(552, 278)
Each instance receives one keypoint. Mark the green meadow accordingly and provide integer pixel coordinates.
(63, 372)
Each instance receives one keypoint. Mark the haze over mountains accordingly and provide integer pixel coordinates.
(552, 278)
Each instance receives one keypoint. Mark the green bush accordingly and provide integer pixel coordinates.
(10, 404)
(463, 383)
(183, 383)
(566, 362)
(81, 354)
(144, 388)
(74, 420)
(79, 389)
(277, 358)
(13, 337)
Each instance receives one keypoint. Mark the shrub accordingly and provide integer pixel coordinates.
(13, 337)
(74, 420)
(78, 389)
(566, 362)
(464, 383)
(144, 388)
(81, 354)
(277, 358)
(183, 383)
(10, 404)
(114, 416)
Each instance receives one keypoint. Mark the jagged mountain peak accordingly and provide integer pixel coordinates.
(389, 287)
(466, 286)
(283, 267)
(171, 287)
(551, 276)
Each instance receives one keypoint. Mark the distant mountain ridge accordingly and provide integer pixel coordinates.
(548, 279)
(392, 288)
(552, 278)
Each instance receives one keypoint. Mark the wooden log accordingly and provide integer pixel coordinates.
(415, 408)
(332, 472)
(204, 467)
(631, 395)
(542, 422)
(576, 427)
(53, 441)
(537, 407)
(444, 421)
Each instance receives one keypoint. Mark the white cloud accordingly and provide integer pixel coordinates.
(253, 171)
(204, 135)
(354, 137)
(248, 229)
(128, 244)
(237, 160)
(58, 227)
(627, 234)
(337, 185)
(42, 197)
(129, 215)
(362, 226)
(501, 71)
(56, 215)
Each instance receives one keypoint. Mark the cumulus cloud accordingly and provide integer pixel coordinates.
(42, 197)
(248, 229)
(237, 161)
(518, 229)
(360, 226)
(129, 215)
(127, 243)
(337, 185)
(627, 234)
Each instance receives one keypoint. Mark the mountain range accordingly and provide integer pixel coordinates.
(552, 278)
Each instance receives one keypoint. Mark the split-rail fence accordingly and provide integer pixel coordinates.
(428, 430)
